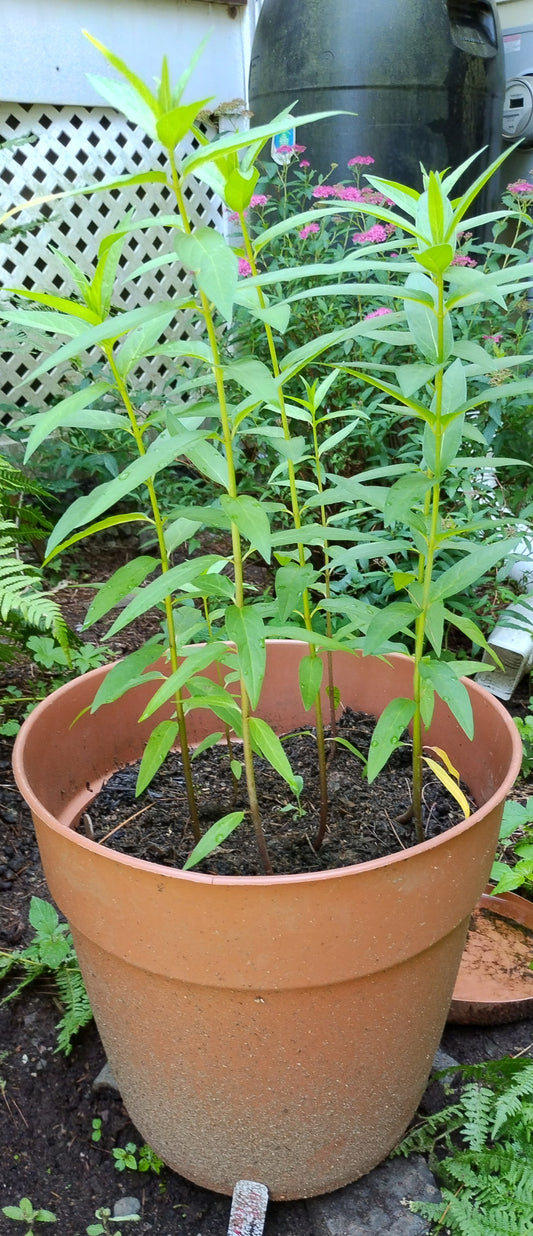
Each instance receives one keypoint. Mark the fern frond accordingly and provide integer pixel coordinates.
(510, 1102)
(78, 1012)
(477, 1104)
(21, 592)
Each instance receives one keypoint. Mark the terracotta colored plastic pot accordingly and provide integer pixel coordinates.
(278, 1029)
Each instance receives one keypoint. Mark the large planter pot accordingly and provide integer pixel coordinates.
(279, 1029)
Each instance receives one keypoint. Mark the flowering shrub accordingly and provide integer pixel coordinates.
(292, 188)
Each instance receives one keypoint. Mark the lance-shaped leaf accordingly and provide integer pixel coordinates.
(398, 616)
(213, 838)
(193, 662)
(387, 735)
(123, 581)
(129, 672)
(291, 582)
(214, 266)
(164, 586)
(267, 743)
(159, 744)
(60, 415)
(174, 125)
(448, 782)
(252, 521)
(245, 629)
(87, 508)
(471, 568)
(450, 689)
(310, 674)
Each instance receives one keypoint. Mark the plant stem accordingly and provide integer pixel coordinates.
(297, 521)
(425, 575)
(169, 609)
(232, 490)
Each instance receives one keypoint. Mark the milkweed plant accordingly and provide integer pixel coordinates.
(402, 284)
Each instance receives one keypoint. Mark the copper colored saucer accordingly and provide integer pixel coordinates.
(495, 982)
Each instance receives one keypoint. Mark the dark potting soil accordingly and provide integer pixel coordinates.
(364, 821)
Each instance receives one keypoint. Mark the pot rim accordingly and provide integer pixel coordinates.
(196, 877)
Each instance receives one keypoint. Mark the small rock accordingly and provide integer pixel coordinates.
(376, 1204)
(443, 1061)
(126, 1206)
(435, 1096)
(105, 1080)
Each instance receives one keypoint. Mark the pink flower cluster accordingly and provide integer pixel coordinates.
(244, 267)
(493, 338)
(362, 160)
(260, 199)
(376, 233)
(462, 259)
(291, 149)
(351, 193)
(377, 313)
(308, 230)
(521, 186)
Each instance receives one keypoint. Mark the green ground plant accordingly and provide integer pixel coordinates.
(26, 1213)
(23, 603)
(50, 953)
(137, 1159)
(105, 1219)
(321, 524)
(479, 1148)
(513, 867)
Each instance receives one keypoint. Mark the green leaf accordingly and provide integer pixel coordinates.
(164, 450)
(310, 673)
(398, 616)
(245, 629)
(213, 838)
(252, 521)
(199, 658)
(207, 459)
(214, 266)
(436, 259)
(406, 494)
(454, 693)
(123, 98)
(140, 342)
(267, 743)
(113, 328)
(129, 673)
(388, 733)
(254, 377)
(123, 581)
(113, 521)
(45, 422)
(164, 586)
(209, 741)
(471, 568)
(42, 916)
(159, 744)
(291, 582)
(424, 322)
(239, 188)
(174, 125)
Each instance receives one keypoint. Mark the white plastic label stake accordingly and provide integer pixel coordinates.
(248, 1209)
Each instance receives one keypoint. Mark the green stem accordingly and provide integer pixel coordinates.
(227, 437)
(425, 575)
(297, 521)
(169, 609)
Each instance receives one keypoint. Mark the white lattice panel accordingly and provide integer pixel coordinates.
(81, 146)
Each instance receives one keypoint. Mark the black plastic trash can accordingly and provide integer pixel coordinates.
(425, 77)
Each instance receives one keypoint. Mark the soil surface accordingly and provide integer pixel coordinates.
(47, 1101)
(152, 825)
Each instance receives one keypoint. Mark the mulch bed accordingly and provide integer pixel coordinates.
(47, 1101)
